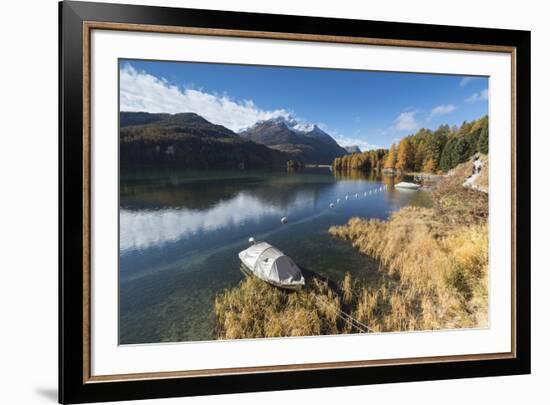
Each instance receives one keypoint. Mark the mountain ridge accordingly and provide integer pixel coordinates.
(352, 149)
(304, 141)
(188, 141)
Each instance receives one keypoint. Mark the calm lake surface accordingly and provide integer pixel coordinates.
(180, 233)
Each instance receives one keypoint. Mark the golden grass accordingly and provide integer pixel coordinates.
(255, 309)
(433, 275)
(434, 261)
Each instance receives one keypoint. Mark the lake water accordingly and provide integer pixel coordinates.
(180, 233)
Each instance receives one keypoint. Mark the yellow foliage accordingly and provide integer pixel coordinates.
(429, 166)
(391, 158)
(436, 274)
(255, 309)
(433, 275)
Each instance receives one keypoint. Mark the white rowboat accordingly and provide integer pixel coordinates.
(410, 186)
(272, 266)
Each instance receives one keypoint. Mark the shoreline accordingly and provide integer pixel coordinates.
(433, 273)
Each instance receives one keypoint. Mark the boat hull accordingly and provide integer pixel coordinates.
(290, 287)
(407, 186)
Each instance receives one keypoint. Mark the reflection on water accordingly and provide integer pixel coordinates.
(141, 229)
(180, 234)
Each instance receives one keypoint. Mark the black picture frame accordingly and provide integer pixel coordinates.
(73, 387)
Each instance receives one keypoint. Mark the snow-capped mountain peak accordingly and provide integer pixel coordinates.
(300, 127)
(303, 127)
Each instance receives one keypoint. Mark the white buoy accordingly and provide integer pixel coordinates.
(331, 205)
(284, 220)
(251, 240)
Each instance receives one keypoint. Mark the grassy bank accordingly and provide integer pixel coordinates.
(436, 274)
(433, 274)
(435, 260)
(255, 309)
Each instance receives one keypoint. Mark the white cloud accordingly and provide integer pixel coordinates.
(344, 140)
(478, 96)
(406, 121)
(467, 79)
(140, 91)
(440, 110)
(349, 141)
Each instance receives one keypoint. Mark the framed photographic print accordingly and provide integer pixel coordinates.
(256, 202)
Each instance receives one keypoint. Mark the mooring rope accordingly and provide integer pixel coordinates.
(347, 318)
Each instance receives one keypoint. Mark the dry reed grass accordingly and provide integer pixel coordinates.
(255, 309)
(433, 275)
(434, 261)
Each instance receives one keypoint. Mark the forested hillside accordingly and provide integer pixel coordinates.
(426, 151)
(188, 141)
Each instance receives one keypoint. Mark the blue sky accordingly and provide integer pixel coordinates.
(370, 109)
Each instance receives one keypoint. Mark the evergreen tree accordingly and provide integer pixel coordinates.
(460, 152)
(483, 141)
(446, 162)
(420, 156)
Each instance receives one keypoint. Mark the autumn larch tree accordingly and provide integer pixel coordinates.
(391, 158)
(405, 155)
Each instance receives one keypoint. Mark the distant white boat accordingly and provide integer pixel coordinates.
(409, 186)
(272, 266)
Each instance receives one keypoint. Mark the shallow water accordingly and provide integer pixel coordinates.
(180, 233)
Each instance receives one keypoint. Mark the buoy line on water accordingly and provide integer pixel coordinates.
(284, 220)
(357, 195)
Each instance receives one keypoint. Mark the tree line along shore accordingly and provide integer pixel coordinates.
(425, 151)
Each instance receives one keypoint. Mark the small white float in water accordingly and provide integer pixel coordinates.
(408, 186)
(284, 220)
